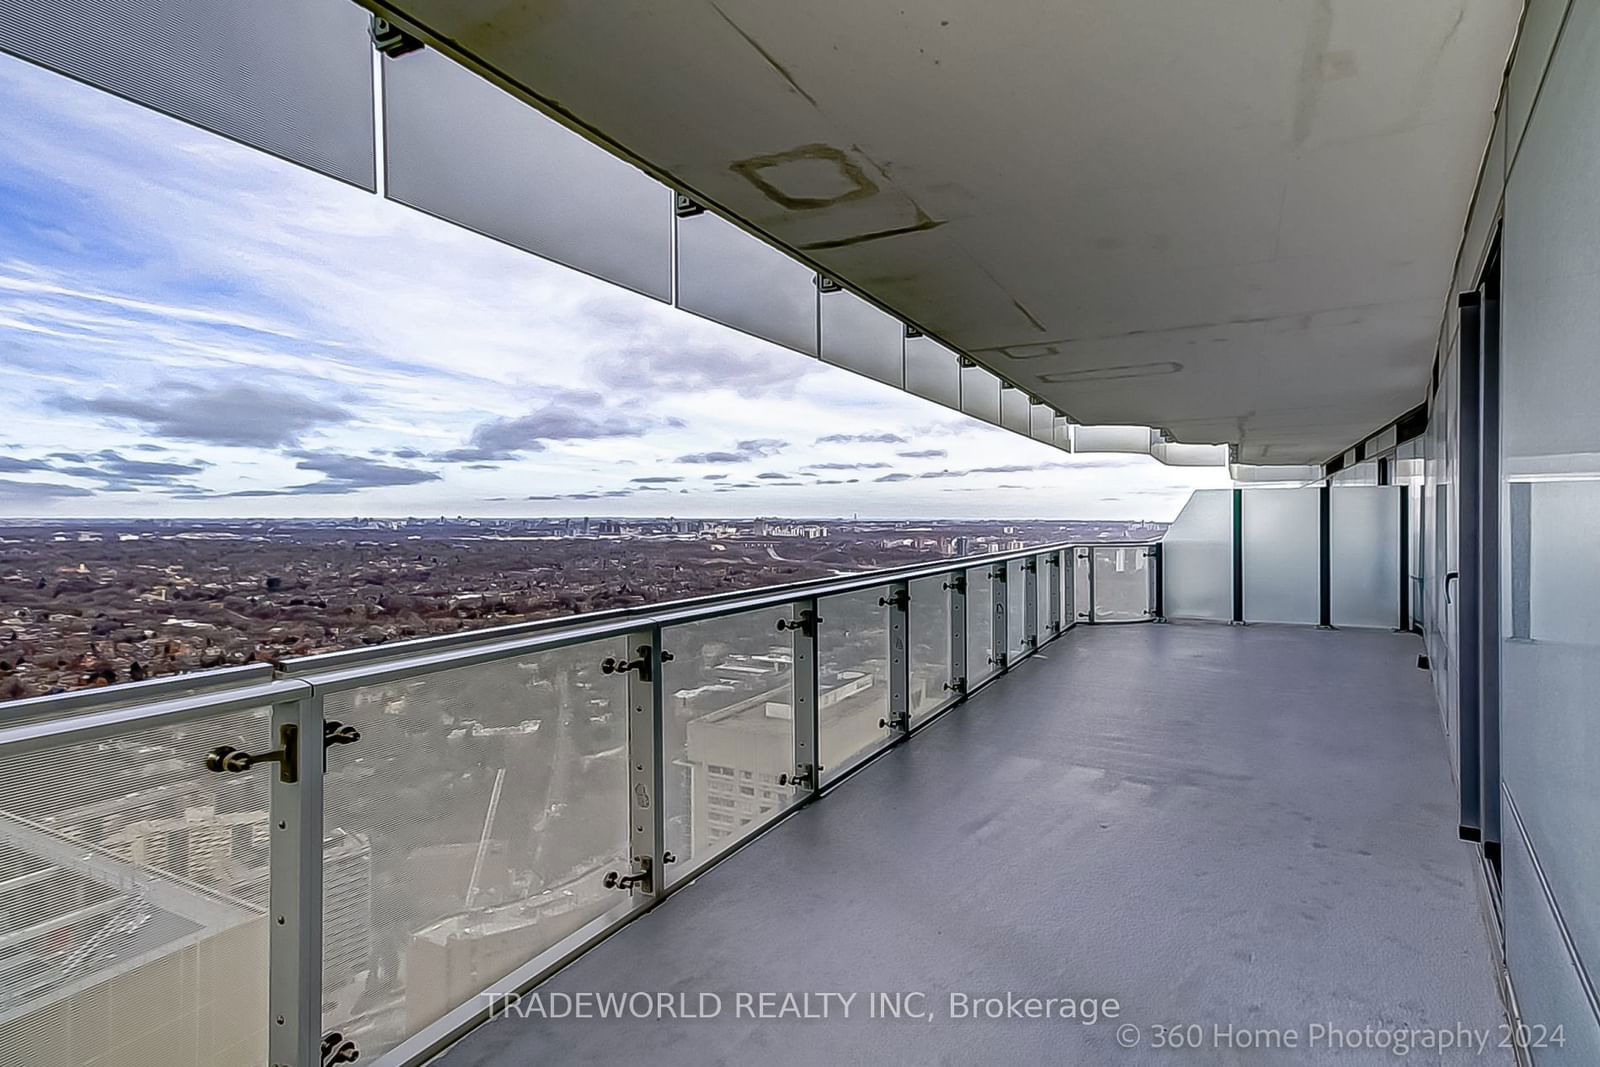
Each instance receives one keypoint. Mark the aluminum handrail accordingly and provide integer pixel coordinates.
(39, 733)
(407, 658)
(329, 672)
(688, 609)
(150, 689)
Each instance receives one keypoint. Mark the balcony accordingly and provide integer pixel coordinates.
(1343, 249)
(951, 778)
(1210, 824)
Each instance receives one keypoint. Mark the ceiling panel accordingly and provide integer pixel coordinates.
(1263, 198)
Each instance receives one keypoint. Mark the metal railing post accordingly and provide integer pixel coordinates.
(646, 825)
(955, 585)
(807, 776)
(1054, 593)
(294, 888)
(1325, 557)
(1030, 605)
(1069, 588)
(1158, 585)
(898, 605)
(1238, 557)
(1405, 560)
(1089, 561)
(1001, 638)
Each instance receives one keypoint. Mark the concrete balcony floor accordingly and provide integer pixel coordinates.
(1226, 826)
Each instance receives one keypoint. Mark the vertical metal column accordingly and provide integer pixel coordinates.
(646, 828)
(1030, 604)
(1468, 479)
(1488, 634)
(955, 585)
(898, 605)
(1002, 612)
(1405, 559)
(294, 889)
(1158, 585)
(1069, 587)
(807, 744)
(1324, 557)
(1238, 557)
(1088, 562)
(1054, 593)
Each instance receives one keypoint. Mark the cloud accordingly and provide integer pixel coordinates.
(115, 465)
(676, 365)
(925, 453)
(712, 477)
(896, 477)
(611, 493)
(657, 479)
(846, 466)
(345, 474)
(115, 472)
(13, 490)
(743, 452)
(569, 415)
(862, 438)
(342, 474)
(243, 415)
(769, 476)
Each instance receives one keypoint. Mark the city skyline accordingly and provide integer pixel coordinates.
(298, 348)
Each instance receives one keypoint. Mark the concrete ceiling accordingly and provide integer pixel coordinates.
(1235, 220)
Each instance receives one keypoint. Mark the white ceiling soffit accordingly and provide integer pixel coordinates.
(1234, 220)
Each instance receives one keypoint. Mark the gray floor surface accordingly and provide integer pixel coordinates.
(1247, 833)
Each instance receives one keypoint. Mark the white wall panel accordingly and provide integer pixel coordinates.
(464, 150)
(290, 77)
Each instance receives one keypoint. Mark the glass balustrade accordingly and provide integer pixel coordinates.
(727, 728)
(490, 805)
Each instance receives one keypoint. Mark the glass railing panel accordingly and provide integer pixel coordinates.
(1197, 558)
(730, 277)
(134, 913)
(468, 830)
(1363, 556)
(1082, 597)
(929, 645)
(852, 677)
(1280, 529)
(1045, 574)
(727, 725)
(1016, 610)
(981, 657)
(1121, 583)
(293, 77)
(1064, 578)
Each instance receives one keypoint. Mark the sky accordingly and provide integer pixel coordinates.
(190, 327)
